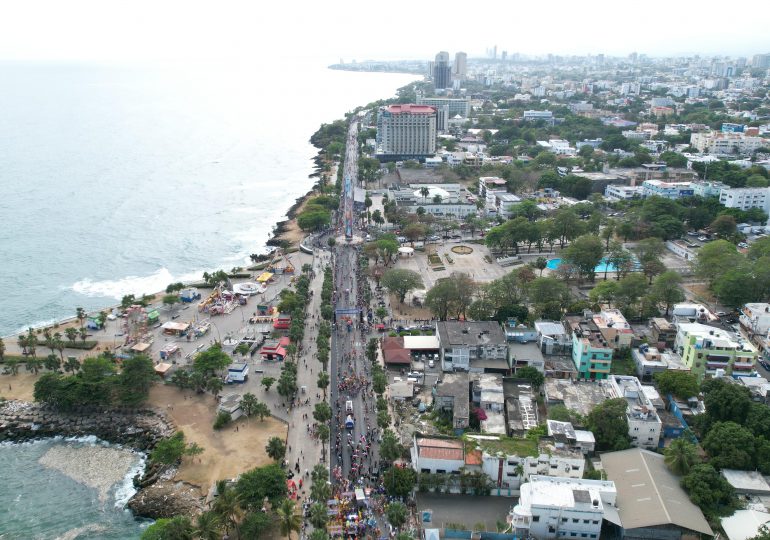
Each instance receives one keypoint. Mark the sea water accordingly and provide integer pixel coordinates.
(120, 180)
(40, 502)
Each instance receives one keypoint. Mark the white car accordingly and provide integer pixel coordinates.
(431, 363)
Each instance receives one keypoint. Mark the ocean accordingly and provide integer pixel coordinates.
(41, 502)
(121, 180)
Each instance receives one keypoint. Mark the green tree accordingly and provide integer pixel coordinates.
(170, 450)
(725, 226)
(549, 297)
(532, 375)
(320, 490)
(319, 516)
(210, 361)
(541, 263)
(397, 514)
(288, 519)
(72, 334)
(609, 424)
(227, 505)
(176, 528)
(249, 403)
(730, 445)
(322, 412)
(726, 402)
(666, 289)
(267, 382)
(276, 448)
(399, 482)
(400, 281)
(323, 382)
(681, 456)
(255, 525)
(681, 384)
(254, 485)
(207, 526)
(604, 292)
(323, 436)
(584, 253)
(709, 490)
(390, 448)
(135, 379)
(170, 299)
(716, 258)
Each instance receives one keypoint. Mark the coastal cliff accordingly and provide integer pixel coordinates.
(138, 428)
(158, 495)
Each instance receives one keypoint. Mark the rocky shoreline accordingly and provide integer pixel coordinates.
(140, 429)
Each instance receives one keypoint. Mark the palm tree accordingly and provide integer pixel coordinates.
(31, 342)
(288, 518)
(681, 456)
(397, 514)
(319, 534)
(541, 264)
(318, 515)
(52, 362)
(207, 526)
(33, 364)
(323, 435)
(72, 334)
(2, 349)
(48, 340)
(424, 191)
(12, 365)
(22, 341)
(226, 505)
(276, 448)
(58, 344)
(72, 364)
(80, 314)
(83, 333)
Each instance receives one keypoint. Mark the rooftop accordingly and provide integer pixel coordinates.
(450, 449)
(747, 481)
(408, 108)
(507, 446)
(550, 328)
(460, 333)
(580, 396)
(649, 494)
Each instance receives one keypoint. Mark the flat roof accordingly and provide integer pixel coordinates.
(649, 494)
(472, 333)
(421, 342)
(746, 481)
(410, 108)
(744, 524)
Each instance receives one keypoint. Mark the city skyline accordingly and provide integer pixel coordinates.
(84, 30)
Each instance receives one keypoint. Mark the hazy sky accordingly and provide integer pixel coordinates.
(138, 30)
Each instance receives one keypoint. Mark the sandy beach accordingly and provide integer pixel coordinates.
(227, 453)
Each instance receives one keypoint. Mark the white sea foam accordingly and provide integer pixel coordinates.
(125, 490)
(137, 285)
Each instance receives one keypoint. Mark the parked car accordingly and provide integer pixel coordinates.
(765, 364)
(433, 238)
(431, 363)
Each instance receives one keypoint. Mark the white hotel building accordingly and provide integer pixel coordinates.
(406, 132)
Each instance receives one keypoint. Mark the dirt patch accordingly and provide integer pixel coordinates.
(20, 386)
(700, 291)
(406, 311)
(462, 250)
(227, 453)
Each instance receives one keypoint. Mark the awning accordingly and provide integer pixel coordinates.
(162, 368)
(611, 515)
(175, 326)
(264, 276)
(141, 347)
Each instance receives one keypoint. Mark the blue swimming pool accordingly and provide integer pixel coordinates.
(553, 264)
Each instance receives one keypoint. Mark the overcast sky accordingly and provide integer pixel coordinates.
(138, 30)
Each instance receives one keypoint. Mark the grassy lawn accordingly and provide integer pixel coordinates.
(623, 366)
(507, 445)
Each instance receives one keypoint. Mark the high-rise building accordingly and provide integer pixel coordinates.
(442, 71)
(446, 108)
(461, 65)
(406, 131)
(761, 61)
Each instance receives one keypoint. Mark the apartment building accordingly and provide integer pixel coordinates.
(667, 190)
(477, 346)
(745, 198)
(591, 353)
(726, 143)
(755, 318)
(644, 425)
(552, 507)
(614, 328)
(706, 349)
(623, 193)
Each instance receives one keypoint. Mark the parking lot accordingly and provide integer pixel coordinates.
(465, 510)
